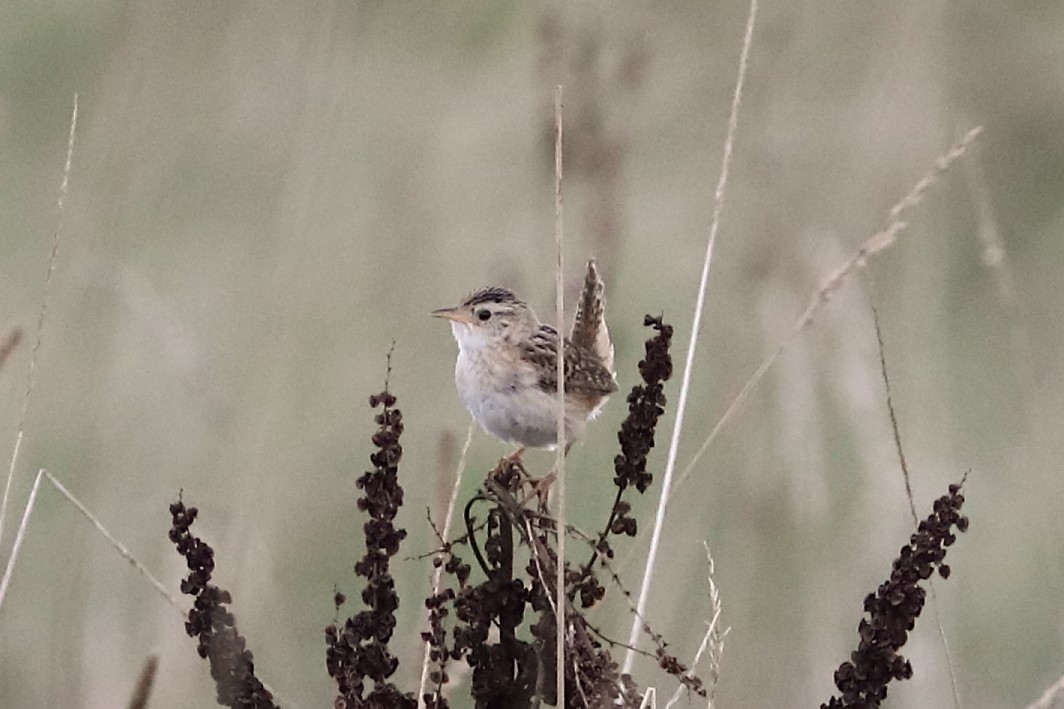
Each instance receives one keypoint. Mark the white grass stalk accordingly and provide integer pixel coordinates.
(118, 546)
(141, 569)
(685, 385)
(63, 188)
(694, 662)
(712, 640)
(1049, 698)
(437, 573)
(559, 465)
(19, 536)
(650, 699)
(950, 666)
(879, 241)
(115, 544)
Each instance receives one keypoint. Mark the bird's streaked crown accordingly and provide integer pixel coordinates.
(492, 294)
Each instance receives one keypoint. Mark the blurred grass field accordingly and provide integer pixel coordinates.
(265, 195)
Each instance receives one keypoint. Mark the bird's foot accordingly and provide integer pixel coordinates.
(541, 489)
(510, 471)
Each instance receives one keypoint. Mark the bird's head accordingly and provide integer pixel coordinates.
(488, 315)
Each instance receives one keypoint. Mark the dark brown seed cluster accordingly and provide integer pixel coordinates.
(503, 670)
(439, 607)
(893, 609)
(502, 627)
(209, 621)
(359, 650)
(672, 665)
(436, 637)
(646, 403)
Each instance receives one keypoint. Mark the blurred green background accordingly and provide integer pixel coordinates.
(264, 195)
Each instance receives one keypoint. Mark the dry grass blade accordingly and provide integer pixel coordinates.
(1049, 698)
(437, 573)
(142, 692)
(9, 343)
(19, 536)
(890, 403)
(877, 242)
(117, 545)
(670, 465)
(712, 640)
(559, 465)
(896, 432)
(64, 185)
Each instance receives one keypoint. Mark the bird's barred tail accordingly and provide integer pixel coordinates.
(589, 328)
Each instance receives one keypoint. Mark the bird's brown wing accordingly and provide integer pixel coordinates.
(584, 371)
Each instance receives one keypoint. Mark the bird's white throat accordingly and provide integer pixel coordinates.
(469, 338)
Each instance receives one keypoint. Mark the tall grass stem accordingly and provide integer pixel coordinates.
(714, 226)
(64, 185)
(1049, 697)
(437, 573)
(879, 241)
(559, 465)
(19, 536)
(118, 546)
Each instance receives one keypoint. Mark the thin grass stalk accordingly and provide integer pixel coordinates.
(19, 536)
(950, 666)
(694, 661)
(559, 465)
(437, 573)
(896, 431)
(707, 637)
(714, 226)
(712, 640)
(115, 544)
(1049, 697)
(894, 428)
(64, 185)
(879, 241)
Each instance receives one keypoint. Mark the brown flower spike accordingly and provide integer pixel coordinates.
(893, 609)
(359, 650)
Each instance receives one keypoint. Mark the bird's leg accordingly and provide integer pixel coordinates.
(541, 487)
(510, 471)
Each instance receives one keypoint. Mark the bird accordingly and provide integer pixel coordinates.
(506, 371)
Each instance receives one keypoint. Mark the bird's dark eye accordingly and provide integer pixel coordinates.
(484, 315)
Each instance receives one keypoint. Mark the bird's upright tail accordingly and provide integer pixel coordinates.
(589, 328)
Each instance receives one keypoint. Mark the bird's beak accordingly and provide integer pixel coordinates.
(453, 314)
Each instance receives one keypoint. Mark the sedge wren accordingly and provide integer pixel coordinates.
(506, 374)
